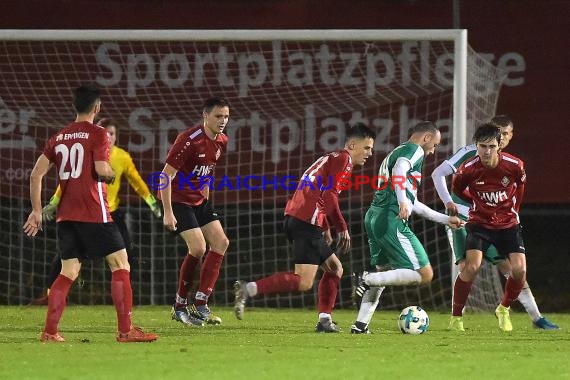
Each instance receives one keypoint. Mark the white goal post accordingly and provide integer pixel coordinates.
(457, 36)
(292, 92)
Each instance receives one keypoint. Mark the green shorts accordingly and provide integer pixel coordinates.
(457, 240)
(391, 241)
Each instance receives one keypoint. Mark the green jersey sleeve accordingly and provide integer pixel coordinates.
(386, 195)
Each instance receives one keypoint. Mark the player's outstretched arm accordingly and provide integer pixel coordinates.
(426, 212)
(438, 178)
(152, 203)
(139, 185)
(455, 222)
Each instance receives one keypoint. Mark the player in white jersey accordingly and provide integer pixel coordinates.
(454, 205)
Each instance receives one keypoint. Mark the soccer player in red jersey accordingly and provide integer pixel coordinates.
(461, 208)
(85, 228)
(187, 211)
(122, 164)
(493, 182)
(308, 214)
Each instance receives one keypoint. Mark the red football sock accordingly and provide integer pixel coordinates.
(461, 291)
(57, 300)
(328, 289)
(208, 276)
(186, 276)
(122, 295)
(282, 282)
(512, 290)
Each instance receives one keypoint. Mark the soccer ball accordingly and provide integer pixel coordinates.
(413, 320)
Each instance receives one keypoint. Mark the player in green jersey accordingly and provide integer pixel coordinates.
(392, 242)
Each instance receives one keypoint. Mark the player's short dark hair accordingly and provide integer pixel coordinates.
(360, 131)
(85, 97)
(106, 122)
(216, 101)
(502, 121)
(486, 132)
(423, 127)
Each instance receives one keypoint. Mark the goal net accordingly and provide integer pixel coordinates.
(292, 93)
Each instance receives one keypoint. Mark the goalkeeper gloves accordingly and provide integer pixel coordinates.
(153, 204)
(48, 212)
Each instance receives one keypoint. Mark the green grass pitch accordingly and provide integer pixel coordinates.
(278, 344)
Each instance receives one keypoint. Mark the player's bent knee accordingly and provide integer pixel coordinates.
(426, 274)
(519, 274)
(70, 269)
(426, 278)
(71, 274)
(504, 267)
(305, 284)
(336, 270)
(197, 250)
(221, 245)
(333, 265)
(471, 269)
(118, 260)
(125, 266)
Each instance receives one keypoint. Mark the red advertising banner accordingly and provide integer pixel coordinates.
(290, 101)
(526, 39)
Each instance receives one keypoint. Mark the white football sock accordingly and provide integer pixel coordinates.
(181, 300)
(251, 288)
(394, 277)
(368, 305)
(527, 300)
(201, 296)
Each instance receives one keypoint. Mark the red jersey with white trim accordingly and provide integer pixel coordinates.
(74, 151)
(496, 194)
(315, 200)
(194, 155)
